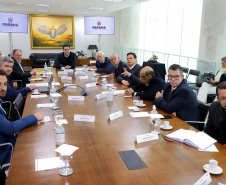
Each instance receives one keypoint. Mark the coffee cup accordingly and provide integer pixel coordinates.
(140, 103)
(35, 91)
(213, 165)
(62, 68)
(166, 124)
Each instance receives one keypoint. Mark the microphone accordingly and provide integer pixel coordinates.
(83, 92)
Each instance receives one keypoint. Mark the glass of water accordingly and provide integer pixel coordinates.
(136, 100)
(55, 100)
(66, 170)
(156, 122)
(58, 115)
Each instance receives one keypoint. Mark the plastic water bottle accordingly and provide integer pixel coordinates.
(92, 76)
(104, 86)
(52, 90)
(60, 134)
(45, 67)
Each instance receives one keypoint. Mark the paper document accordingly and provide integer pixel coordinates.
(37, 79)
(38, 84)
(76, 98)
(70, 86)
(139, 114)
(83, 77)
(48, 163)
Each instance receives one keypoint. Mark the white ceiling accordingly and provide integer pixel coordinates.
(65, 7)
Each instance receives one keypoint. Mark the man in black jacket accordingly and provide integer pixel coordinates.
(150, 84)
(18, 72)
(131, 77)
(216, 124)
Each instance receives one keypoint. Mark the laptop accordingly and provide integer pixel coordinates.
(46, 89)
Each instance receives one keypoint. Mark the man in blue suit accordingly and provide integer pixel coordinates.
(66, 59)
(178, 97)
(103, 64)
(9, 129)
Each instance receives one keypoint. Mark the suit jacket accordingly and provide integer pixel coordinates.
(183, 101)
(106, 67)
(213, 126)
(18, 74)
(134, 78)
(63, 61)
(7, 131)
(148, 92)
(119, 70)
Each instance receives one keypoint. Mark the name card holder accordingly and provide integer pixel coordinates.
(86, 118)
(91, 84)
(146, 137)
(83, 77)
(115, 115)
(100, 96)
(66, 78)
(76, 98)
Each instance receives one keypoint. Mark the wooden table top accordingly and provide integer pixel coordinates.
(97, 161)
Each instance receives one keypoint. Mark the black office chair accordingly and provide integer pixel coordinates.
(157, 67)
(193, 85)
(203, 112)
(7, 106)
(186, 71)
(18, 104)
(19, 83)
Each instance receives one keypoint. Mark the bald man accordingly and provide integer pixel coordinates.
(151, 83)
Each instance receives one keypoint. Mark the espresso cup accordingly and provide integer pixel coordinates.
(35, 91)
(165, 124)
(213, 165)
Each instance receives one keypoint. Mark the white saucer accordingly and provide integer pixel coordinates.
(218, 171)
(166, 128)
(144, 105)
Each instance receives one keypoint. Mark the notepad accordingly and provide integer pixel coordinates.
(198, 140)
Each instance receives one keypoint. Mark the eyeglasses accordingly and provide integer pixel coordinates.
(176, 77)
(142, 76)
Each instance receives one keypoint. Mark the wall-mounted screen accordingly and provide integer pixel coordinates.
(13, 23)
(99, 25)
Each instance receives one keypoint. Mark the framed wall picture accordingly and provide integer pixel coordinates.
(51, 31)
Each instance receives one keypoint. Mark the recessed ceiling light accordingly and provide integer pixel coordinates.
(42, 10)
(117, 1)
(85, 13)
(19, 3)
(45, 5)
(96, 8)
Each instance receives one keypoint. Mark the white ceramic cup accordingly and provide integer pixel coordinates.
(35, 91)
(166, 124)
(140, 102)
(213, 165)
(62, 68)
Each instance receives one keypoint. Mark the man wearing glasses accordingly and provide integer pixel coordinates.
(215, 126)
(151, 82)
(178, 98)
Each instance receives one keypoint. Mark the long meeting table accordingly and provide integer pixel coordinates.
(97, 162)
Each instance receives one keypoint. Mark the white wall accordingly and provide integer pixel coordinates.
(104, 42)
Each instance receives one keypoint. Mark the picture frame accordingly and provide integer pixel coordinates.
(51, 31)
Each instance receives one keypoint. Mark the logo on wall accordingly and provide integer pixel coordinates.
(10, 23)
(99, 27)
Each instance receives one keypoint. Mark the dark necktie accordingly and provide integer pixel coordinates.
(171, 95)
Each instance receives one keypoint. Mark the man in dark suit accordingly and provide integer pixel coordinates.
(103, 64)
(118, 65)
(178, 97)
(18, 72)
(131, 77)
(151, 84)
(66, 59)
(216, 123)
(9, 129)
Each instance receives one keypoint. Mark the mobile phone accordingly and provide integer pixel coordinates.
(167, 117)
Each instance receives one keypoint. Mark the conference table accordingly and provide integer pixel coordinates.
(97, 161)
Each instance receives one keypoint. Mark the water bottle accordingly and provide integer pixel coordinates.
(60, 134)
(45, 67)
(52, 90)
(92, 76)
(110, 95)
(104, 85)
